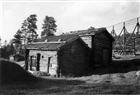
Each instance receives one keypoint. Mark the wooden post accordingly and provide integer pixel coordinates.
(38, 62)
(113, 33)
(124, 38)
(26, 58)
(134, 47)
(58, 64)
(49, 58)
(31, 62)
(138, 26)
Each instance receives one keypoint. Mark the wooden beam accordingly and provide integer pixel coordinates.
(31, 62)
(38, 62)
(134, 47)
(26, 58)
(49, 58)
(58, 63)
(86, 35)
(48, 42)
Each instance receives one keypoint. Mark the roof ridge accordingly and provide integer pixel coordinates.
(48, 42)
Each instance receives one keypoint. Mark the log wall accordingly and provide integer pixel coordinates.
(44, 60)
(75, 59)
(102, 49)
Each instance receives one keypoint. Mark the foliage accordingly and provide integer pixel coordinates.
(7, 50)
(26, 34)
(17, 37)
(28, 29)
(18, 57)
(17, 41)
(49, 27)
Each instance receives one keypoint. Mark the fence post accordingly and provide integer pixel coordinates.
(134, 47)
(124, 37)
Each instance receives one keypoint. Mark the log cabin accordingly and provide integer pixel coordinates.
(100, 42)
(73, 54)
(65, 55)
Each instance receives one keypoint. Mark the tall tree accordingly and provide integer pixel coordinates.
(49, 27)
(17, 40)
(24, 30)
(17, 37)
(28, 29)
(32, 27)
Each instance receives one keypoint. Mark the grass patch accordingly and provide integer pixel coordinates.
(118, 78)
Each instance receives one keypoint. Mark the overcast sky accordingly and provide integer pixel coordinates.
(69, 15)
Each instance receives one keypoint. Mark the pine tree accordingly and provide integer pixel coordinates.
(49, 27)
(17, 40)
(28, 29)
(17, 37)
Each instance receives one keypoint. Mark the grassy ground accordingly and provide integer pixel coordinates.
(118, 78)
(70, 86)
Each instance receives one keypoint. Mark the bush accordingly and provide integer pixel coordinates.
(18, 57)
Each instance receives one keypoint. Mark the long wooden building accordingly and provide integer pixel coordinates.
(73, 54)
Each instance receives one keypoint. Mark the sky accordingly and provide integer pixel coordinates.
(69, 15)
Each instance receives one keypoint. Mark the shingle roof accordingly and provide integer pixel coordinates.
(53, 43)
(44, 46)
(66, 38)
(91, 31)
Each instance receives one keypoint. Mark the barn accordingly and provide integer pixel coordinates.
(100, 42)
(65, 55)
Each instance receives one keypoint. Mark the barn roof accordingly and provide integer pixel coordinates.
(44, 46)
(91, 31)
(106, 31)
(66, 38)
(53, 43)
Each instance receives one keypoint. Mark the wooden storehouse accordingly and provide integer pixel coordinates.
(100, 41)
(65, 55)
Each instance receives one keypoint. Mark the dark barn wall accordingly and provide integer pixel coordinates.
(75, 59)
(102, 49)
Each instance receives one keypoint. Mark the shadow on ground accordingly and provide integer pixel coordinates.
(120, 66)
(14, 79)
